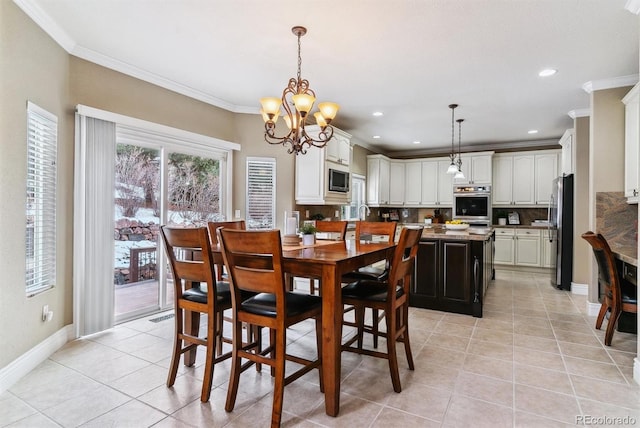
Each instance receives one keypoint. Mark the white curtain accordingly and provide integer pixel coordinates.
(93, 290)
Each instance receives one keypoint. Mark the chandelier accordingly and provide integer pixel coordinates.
(453, 168)
(297, 101)
(459, 173)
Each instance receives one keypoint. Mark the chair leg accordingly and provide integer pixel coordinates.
(177, 347)
(236, 367)
(254, 334)
(405, 335)
(359, 324)
(603, 310)
(192, 326)
(611, 326)
(319, 345)
(218, 332)
(274, 351)
(208, 365)
(391, 350)
(278, 386)
(375, 320)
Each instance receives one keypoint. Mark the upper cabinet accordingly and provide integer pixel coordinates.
(312, 170)
(339, 149)
(413, 183)
(632, 144)
(436, 184)
(396, 182)
(476, 168)
(567, 156)
(377, 180)
(523, 178)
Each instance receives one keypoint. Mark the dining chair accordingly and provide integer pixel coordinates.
(325, 226)
(213, 226)
(617, 297)
(365, 230)
(390, 295)
(254, 262)
(196, 292)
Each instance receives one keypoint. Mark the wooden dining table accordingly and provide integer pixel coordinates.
(328, 262)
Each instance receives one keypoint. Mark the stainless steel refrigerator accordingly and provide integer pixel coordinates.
(561, 231)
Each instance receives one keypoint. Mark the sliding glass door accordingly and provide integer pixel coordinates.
(156, 186)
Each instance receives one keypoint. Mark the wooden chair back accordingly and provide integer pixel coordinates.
(254, 262)
(376, 228)
(402, 266)
(213, 226)
(607, 271)
(334, 227)
(181, 244)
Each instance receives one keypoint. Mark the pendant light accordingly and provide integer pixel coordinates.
(459, 174)
(452, 168)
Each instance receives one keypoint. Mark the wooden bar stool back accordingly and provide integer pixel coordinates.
(333, 226)
(196, 292)
(392, 297)
(616, 299)
(213, 226)
(254, 262)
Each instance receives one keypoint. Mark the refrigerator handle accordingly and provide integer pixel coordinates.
(549, 218)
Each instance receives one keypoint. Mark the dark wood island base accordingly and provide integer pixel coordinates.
(453, 270)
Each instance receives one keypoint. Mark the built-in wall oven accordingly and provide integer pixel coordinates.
(472, 204)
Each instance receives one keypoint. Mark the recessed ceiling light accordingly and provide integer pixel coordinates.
(378, 113)
(547, 72)
(416, 142)
(532, 131)
(376, 137)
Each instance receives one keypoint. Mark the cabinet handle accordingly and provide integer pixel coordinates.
(635, 192)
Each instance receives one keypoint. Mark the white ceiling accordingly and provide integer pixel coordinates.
(409, 59)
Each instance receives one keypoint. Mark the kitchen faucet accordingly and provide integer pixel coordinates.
(366, 209)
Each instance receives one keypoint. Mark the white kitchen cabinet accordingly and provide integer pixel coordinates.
(311, 174)
(632, 145)
(567, 156)
(523, 179)
(547, 248)
(396, 183)
(377, 180)
(513, 180)
(504, 246)
(339, 149)
(437, 185)
(502, 185)
(413, 183)
(476, 168)
(546, 170)
(527, 251)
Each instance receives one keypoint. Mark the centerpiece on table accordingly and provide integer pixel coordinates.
(456, 225)
(308, 231)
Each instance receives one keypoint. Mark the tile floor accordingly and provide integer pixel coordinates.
(533, 360)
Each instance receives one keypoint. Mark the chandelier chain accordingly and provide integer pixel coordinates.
(299, 58)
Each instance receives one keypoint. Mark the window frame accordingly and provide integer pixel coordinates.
(41, 200)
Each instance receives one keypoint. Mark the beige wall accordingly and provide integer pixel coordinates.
(33, 68)
(606, 157)
(581, 250)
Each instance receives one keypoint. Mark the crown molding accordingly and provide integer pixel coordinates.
(582, 112)
(614, 82)
(633, 6)
(552, 143)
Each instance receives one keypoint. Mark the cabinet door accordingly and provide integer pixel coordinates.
(384, 181)
(528, 249)
(481, 169)
(413, 183)
(631, 146)
(332, 149)
(502, 186)
(424, 290)
(344, 151)
(445, 184)
(546, 170)
(523, 180)
(456, 278)
(396, 183)
(310, 177)
(429, 181)
(546, 249)
(504, 247)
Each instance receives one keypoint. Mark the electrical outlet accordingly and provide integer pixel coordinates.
(337, 214)
(307, 213)
(237, 214)
(45, 312)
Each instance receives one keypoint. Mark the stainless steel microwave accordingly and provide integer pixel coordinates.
(338, 181)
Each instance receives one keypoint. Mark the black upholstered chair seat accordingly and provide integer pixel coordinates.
(366, 273)
(198, 293)
(369, 290)
(265, 304)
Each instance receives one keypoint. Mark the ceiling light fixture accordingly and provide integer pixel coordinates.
(547, 72)
(375, 137)
(416, 142)
(378, 113)
(459, 173)
(532, 131)
(452, 168)
(297, 101)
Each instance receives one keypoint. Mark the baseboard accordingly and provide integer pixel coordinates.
(636, 370)
(22, 365)
(581, 289)
(593, 308)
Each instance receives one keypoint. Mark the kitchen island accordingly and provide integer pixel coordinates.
(453, 269)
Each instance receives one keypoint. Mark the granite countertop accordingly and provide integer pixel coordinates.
(628, 254)
(471, 234)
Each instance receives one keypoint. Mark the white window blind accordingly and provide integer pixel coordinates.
(261, 193)
(42, 142)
